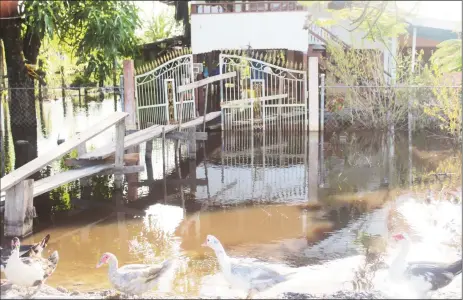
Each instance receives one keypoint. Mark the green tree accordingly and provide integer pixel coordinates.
(160, 27)
(97, 31)
(447, 57)
(377, 19)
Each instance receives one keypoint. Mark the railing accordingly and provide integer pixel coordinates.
(244, 7)
(320, 35)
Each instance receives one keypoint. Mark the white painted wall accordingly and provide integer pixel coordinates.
(263, 30)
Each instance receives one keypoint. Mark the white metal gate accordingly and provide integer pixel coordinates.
(156, 92)
(256, 79)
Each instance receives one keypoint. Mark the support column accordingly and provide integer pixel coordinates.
(313, 94)
(19, 209)
(129, 95)
(131, 122)
(119, 154)
(81, 150)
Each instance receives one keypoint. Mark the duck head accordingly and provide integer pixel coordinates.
(212, 242)
(106, 258)
(401, 237)
(15, 244)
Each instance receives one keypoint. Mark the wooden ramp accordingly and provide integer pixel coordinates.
(49, 183)
(144, 135)
(33, 166)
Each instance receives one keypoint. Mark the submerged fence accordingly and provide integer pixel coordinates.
(369, 107)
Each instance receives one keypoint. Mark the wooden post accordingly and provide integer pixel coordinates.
(205, 107)
(191, 143)
(130, 106)
(81, 150)
(129, 95)
(149, 169)
(63, 84)
(313, 94)
(192, 175)
(119, 154)
(19, 209)
(149, 149)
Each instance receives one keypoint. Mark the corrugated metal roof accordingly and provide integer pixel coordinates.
(435, 23)
(435, 34)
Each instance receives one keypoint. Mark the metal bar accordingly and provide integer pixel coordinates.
(322, 102)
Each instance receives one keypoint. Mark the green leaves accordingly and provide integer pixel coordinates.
(160, 27)
(377, 19)
(43, 16)
(448, 56)
(98, 32)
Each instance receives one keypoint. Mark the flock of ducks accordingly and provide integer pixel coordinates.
(30, 269)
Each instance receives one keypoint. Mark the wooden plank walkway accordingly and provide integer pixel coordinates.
(49, 183)
(205, 81)
(144, 135)
(33, 166)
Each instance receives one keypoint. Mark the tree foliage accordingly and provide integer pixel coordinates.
(443, 101)
(161, 26)
(377, 19)
(97, 32)
(369, 100)
(448, 56)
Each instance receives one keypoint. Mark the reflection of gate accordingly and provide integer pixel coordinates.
(157, 99)
(257, 79)
(266, 166)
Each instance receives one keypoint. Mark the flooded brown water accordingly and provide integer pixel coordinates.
(266, 198)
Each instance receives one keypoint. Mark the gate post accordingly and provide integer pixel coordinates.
(129, 104)
(313, 94)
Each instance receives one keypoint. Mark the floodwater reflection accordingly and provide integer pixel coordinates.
(283, 198)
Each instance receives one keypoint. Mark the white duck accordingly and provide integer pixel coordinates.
(33, 251)
(133, 279)
(424, 276)
(253, 279)
(29, 271)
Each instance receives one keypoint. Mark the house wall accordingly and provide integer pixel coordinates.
(260, 30)
(420, 42)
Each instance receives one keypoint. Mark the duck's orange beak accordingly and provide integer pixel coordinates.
(204, 245)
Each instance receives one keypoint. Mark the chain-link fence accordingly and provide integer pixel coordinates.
(434, 108)
(32, 114)
(22, 105)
